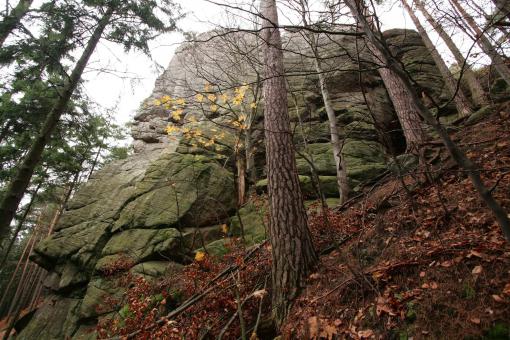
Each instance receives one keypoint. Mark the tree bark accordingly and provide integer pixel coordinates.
(478, 94)
(485, 44)
(13, 19)
(407, 110)
(19, 183)
(472, 170)
(293, 253)
(334, 130)
(21, 222)
(461, 101)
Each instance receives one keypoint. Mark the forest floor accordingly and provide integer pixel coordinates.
(430, 265)
(429, 262)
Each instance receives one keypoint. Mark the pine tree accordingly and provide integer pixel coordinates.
(293, 252)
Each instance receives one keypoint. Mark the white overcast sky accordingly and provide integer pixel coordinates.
(125, 94)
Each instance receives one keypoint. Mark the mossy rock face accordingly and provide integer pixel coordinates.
(321, 155)
(365, 161)
(180, 190)
(97, 290)
(80, 244)
(252, 218)
(217, 248)
(54, 320)
(329, 186)
(155, 269)
(141, 244)
(479, 115)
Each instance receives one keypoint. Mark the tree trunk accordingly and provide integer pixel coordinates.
(356, 7)
(19, 183)
(334, 130)
(485, 44)
(94, 164)
(241, 180)
(478, 94)
(21, 222)
(13, 19)
(13, 276)
(407, 111)
(293, 253)
(461, 101)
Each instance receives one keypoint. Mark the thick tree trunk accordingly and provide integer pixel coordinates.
(293, 253)
(478, 94)
(13, 19)
(19, 183)
(19, 226)
(485, 44)
(407, 111)
(461, 101)
(471, 169)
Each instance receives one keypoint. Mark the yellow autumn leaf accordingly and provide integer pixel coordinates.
(177, 114)
(171, 129)
(214, 108)
(199, 256)
(224, 97)
(224, 228)
(157, 102)
(180, 101)
(212, 97)
(253, 105)
(199, 97)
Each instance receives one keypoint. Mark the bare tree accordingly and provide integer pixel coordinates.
(478, 94)
(460, 99)
(293, 253)
(336, 143)
(484, 43)
(358, 10)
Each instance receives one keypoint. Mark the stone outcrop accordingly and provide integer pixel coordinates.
(151, 207)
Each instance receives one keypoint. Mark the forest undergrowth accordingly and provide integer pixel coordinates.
(426, 262)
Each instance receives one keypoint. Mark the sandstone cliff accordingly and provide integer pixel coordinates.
(151, 206)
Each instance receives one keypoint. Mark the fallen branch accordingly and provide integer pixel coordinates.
(193, 299)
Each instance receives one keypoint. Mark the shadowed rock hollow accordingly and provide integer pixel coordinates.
(151, 206)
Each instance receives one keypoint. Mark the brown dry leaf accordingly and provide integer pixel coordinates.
(422, 274)
(328, 332)
(497, 298)
(446, 264)
(315, 276)
(259, 293)
(506, 290)
(477, 270)
(475, 320)
(313, 326)
(366, 333)
(474, 253)
(425, 286)
(382, 306)
(338, 322)
(434, 285)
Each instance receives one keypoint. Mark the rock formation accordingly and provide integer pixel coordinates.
(150, 207)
